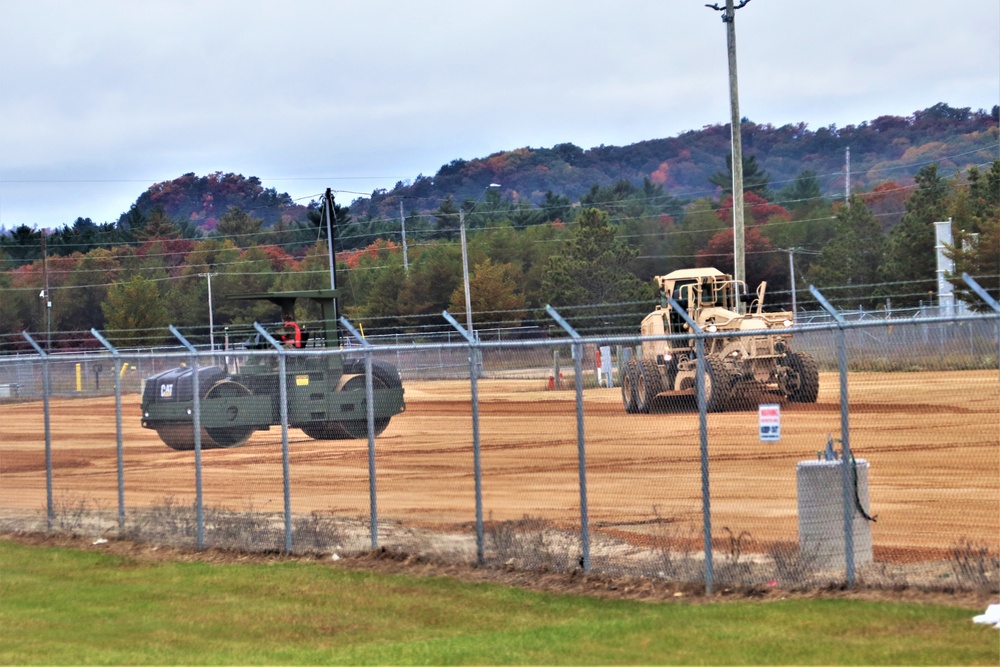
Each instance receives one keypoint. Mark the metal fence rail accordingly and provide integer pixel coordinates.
(518, 453)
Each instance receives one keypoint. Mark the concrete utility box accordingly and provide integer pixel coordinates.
(821, 514)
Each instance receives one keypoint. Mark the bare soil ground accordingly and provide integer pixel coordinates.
(932, 441)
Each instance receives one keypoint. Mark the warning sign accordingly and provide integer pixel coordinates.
(769, 420)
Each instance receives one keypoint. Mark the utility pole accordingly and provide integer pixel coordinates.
(465, 271)
(211, 317)
(47, 296)
(402, 225)
(328, 210)
(739, 246)
(847, 179)
(791, 268)
(465, 254)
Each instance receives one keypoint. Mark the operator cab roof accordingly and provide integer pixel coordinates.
(686, 274)
(286, 300)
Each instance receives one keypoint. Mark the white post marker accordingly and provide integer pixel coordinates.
(606, 366)
(769, 420)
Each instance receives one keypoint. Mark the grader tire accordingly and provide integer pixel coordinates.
(718, 385)
(649, 384)
(803, 377)
(630, 377)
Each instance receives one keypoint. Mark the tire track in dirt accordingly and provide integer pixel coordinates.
(920, 436)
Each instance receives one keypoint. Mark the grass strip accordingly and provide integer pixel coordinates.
(62, 606)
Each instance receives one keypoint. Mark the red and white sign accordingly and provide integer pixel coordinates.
(769, 420)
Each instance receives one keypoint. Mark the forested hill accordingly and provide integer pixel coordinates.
(582, 230)
(887, 148)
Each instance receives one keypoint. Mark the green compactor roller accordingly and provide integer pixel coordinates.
(326, 392)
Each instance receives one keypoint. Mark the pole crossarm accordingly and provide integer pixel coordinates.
(268, 337)
(684, 315)
(462, 330)
(563, 323)
(38, 348)
(354, 332)
(827, 307)
(983, 294)
(184, 341)
(104, 341)
(726, 18)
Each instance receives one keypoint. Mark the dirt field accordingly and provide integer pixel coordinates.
(932, 441)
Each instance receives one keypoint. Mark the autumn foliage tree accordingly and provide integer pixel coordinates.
(761, 261)
(135, 314)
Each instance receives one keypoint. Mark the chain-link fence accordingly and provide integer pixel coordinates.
(528, 453)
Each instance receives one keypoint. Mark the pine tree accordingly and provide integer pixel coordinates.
(911, 262)
(755, 179)
(851, 258)
(592, 270)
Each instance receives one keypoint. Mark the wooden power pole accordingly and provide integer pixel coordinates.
(739, 246)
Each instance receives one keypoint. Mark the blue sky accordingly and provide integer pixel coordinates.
(101, 99)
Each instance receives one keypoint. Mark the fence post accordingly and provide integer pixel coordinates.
(984, 295)
(283, 410)
(845, 434)
(118, 427)
(706, 497)
(370, 416)
(476, 462)
(46, 390)
(580, 437)
(196, 419)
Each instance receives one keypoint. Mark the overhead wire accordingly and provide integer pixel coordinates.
(189, 267)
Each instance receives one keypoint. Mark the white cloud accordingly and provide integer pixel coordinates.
(100, 99)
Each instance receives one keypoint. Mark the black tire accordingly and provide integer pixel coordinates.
(325, 431)
(228, 436)
(802, 382)
(381, 370)
(648, 386)
(630, 376)
(180, 435)
(359, 428)
(718, 385)
(354, 428)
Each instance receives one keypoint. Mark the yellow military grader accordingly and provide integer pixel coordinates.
(759, 360)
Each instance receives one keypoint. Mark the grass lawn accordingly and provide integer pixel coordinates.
(61, 606)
